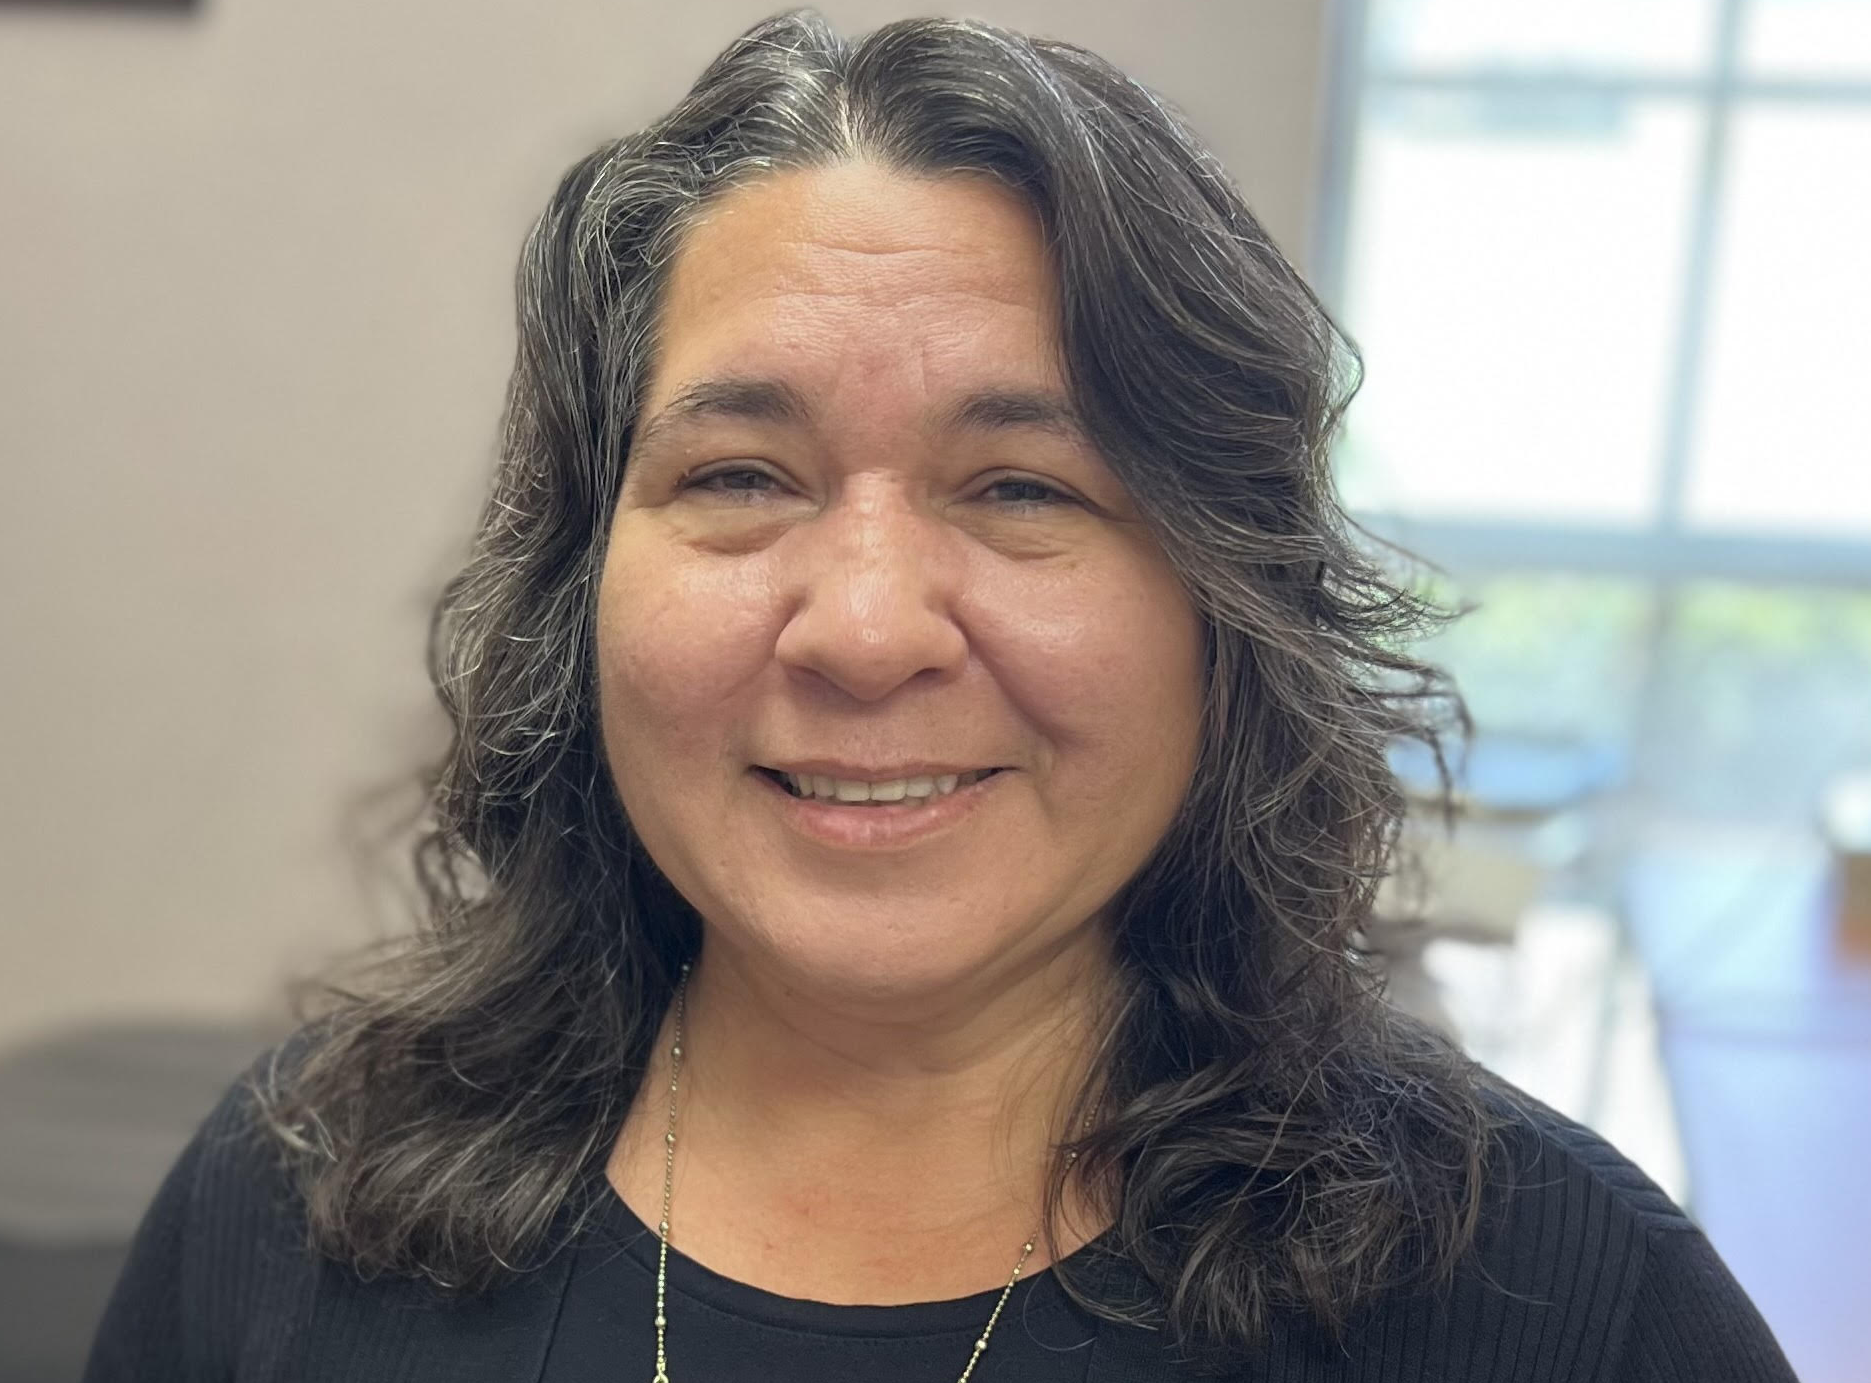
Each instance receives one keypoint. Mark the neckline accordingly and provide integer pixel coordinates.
(702, 1284)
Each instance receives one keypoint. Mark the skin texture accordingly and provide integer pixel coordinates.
(871, 582)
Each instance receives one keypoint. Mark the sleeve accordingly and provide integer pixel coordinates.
(1690, 1320)
(143, 1335)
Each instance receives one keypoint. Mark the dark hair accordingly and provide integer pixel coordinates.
(1272, 1135)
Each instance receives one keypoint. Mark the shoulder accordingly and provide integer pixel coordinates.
(245, 1215)
(1585, 1258)
(219, 1250)
(1550, 1179)
(241, 1179)
(1580, 1268)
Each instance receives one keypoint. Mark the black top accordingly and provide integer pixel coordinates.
(719, 1329)
(1584, 1271)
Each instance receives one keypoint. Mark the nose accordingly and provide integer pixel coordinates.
(871, 593)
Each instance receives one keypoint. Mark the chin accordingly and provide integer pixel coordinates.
(872, 966)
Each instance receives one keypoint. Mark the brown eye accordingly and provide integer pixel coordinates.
(1018, 492)
(733, 480)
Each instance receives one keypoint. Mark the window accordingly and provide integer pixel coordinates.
(1606, 264)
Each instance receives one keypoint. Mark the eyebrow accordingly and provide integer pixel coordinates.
(775, 401)
(990, 410)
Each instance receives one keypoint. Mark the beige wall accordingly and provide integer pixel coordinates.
(253, 335)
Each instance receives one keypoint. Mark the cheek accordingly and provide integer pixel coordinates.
(1107, 666)
(677, 642)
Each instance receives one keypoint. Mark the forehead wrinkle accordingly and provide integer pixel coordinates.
(898, 295)
(883, 268)
(812, 243)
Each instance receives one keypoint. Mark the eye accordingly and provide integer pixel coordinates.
(1021, 492)
(734, 481)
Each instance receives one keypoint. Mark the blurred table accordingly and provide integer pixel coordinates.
(1765, 1026)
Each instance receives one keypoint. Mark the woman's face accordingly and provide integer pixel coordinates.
(860, 539)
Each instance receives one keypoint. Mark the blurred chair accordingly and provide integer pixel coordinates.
(92, 1121)
(1520, 804)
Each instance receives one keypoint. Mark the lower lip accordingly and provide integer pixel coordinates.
(885, 827)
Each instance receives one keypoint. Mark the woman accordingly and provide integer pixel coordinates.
(918, 780)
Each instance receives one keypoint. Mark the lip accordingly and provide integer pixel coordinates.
(887, 826)
(836, 768)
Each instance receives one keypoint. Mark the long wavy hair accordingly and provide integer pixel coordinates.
(1271, 1136)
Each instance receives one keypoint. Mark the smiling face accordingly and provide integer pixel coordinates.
(861, 538)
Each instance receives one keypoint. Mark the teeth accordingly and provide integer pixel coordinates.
(895, 790)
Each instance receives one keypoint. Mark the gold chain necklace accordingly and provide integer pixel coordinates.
(662, 1225)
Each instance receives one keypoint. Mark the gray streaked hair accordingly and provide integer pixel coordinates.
(1270, 1134)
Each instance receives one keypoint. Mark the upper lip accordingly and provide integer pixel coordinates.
(861, 773)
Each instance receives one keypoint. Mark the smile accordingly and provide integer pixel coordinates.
(911, 792)
(879, 823)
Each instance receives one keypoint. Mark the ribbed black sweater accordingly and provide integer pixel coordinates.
(1586, 1271)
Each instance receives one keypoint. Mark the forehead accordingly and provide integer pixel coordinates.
(856, 277)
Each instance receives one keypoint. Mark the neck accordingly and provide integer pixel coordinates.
(849, 1149)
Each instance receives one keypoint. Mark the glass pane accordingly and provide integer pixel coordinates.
(1762, 695)
(1807, 38)
(1780, 442)
(1557, 655)
(1766, 695)
(1513, 281)
(1670, 36)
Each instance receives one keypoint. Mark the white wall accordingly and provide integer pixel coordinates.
(253, 336)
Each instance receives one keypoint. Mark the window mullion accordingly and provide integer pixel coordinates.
(1344, 112)
(1698, 275)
